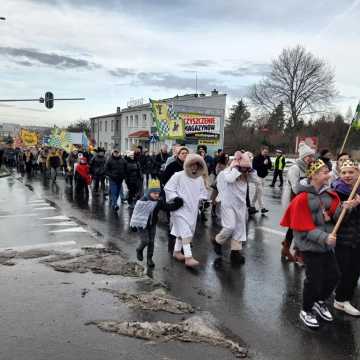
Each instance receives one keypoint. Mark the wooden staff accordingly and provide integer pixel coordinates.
(343, 211)
(346, 138)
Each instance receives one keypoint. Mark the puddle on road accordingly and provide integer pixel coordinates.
(156, 300)
(195, 330)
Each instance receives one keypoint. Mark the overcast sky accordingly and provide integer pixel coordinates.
(112, 50)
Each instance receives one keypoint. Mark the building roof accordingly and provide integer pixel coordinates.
(140, 134)
(106, 116)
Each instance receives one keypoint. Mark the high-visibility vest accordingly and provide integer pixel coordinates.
(280, 163)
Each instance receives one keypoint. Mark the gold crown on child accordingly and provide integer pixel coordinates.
(349, 163)
(314, 167)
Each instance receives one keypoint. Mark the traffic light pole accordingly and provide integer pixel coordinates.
(41, 100)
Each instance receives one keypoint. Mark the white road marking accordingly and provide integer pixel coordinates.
(43, 203)
(44, 208)
(271, 231)
(17, 215)
(36, 201)
(63, 223)
(58, 217)
(39, 246)
(77, 229)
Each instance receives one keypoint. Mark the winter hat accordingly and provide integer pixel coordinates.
(245, 161)
(238, 155)
(305, 150)
(314, 167)
(154, 186)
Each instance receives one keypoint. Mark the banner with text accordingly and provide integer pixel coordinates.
(28, 138)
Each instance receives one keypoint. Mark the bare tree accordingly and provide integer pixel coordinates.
(303, 83)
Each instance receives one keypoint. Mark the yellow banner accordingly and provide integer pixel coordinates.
(28, 138)
(209, 142)
(169, 123)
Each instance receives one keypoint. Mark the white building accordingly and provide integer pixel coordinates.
(135, 126)
(104, 127)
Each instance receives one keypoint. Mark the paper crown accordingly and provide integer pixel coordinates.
(154, 184)
(314, 167)
(349, 163)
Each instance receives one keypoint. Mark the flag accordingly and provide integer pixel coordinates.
(168, 122)
(356, 119)
(28, 138)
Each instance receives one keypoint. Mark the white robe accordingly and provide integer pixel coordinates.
(183, 220)
(232, 194)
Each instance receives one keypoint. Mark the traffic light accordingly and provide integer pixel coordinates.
(49, 100)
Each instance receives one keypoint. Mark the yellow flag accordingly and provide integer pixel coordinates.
(28, 138)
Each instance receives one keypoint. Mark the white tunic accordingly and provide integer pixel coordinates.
(183, 220)
(232, 193)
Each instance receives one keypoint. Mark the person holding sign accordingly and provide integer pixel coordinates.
(311, 216)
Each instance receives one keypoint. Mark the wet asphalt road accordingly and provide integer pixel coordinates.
(258, 302)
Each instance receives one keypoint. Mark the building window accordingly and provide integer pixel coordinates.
(131, 121)
(153, 123)
(137, 121)
(112, 125)
(100, 144)
(106, 145)
(105, 126)
(94, 127)
(144, 122)
(127, 122)
(117, 125)
(100, 122)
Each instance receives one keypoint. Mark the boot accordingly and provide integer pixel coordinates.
(285, 252)
(236, 258)
(150, 253)
(191, 262)
(140, 249)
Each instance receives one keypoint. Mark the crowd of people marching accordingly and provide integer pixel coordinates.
(185, 184)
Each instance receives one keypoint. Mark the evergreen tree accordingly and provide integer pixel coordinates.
(239, 117)
(277, 118)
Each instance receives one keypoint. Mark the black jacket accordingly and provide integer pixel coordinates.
(171, 169)
(261, 168)
(97, 165)
(160, 159)
(349, 232)
(133, 172)
(115, 168)
(148, 164)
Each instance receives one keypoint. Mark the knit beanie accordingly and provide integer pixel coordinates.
(154, 186)
(245, 161)
(305, 150)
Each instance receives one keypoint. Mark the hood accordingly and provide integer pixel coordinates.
(301, 164)
(304, 186)
(192, 159)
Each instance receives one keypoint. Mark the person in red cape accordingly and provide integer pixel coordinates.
(312, 215)
(82, 177)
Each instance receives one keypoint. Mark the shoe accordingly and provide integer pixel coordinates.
(281, 185)
(272, 185)
(236, 258)
(298, 258)
(322, 310)
(179, 256)
(264, 211)
(217, 247)
(346, 307)
(309, 319)
(191, 262)
(139, 254)
(252, 210)
(286, 253)
(150, 263)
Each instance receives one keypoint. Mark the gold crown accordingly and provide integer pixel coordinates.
(314, 167)
(349, 163)
(154, 184)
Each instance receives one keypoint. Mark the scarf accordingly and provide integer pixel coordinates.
(142, 211)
